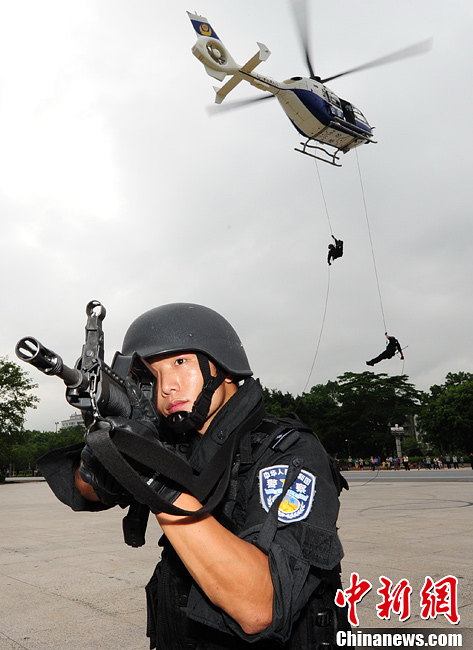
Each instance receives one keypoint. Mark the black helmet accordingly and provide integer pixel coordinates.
(186, 327)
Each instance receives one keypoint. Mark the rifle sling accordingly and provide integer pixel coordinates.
(215, 477)
(104, 447)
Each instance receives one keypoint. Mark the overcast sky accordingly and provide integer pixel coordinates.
(117, 185)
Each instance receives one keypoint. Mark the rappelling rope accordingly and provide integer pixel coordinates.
(377, 282)
(326, 295)
(371, 240)
(323, 197)
(321, 331)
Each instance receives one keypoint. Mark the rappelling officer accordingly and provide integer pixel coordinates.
(392, 347)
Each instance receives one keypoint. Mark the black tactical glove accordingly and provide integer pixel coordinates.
(108, 490)
(144, 428)
(166, 492)
(147, 429)
(141, 407)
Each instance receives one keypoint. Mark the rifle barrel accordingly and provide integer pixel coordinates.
(31, 351)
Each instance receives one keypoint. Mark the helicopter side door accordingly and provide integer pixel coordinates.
(344, 110)
(348, 111)
(334, 104)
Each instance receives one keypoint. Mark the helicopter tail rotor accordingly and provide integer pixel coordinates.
(215, 57)
(210, 50)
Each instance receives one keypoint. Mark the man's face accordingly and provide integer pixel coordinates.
(180, 382)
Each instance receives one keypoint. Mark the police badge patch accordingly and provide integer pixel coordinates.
(298, 499)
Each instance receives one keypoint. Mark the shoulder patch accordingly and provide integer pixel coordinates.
(298, 500)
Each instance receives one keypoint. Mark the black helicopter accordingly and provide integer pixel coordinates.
(320, 115)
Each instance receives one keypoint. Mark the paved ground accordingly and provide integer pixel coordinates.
(68, 582)
(409, 525)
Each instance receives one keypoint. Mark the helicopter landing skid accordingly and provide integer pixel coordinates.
(330, 157)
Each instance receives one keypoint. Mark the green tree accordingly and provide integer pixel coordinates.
(352, 414)
(370, 404)
(15, 399)
(319, 409)
(31, 445)
(447, 414)
(68, 436)
(278, 403)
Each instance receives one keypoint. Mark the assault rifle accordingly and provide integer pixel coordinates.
(98, 390)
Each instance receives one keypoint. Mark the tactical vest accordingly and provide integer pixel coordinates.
(169, 627)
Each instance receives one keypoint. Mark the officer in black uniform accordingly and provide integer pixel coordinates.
(392, 346)
(334, 252)
(262, 569)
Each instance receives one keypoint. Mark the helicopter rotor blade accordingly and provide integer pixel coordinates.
(230, 106)
(412, 50)
(299, 9)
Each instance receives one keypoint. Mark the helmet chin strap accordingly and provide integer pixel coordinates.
(184, 421)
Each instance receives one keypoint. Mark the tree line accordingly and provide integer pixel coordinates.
(352, 415)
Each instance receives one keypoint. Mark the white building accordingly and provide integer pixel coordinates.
(74, 419)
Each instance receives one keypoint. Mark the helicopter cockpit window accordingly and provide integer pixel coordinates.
(334, 100)
(359, 115)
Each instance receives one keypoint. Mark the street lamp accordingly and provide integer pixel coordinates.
(349, 455)
(56, 423)
(399, 433)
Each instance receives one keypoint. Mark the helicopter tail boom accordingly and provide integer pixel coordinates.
(249, 66)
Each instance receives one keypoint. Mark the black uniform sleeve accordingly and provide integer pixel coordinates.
(301, 541)
(58, 468)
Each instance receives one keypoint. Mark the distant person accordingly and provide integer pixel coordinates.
(392, 346)
(405, 462)
(334, 252)
(471, 459)
(455, 462)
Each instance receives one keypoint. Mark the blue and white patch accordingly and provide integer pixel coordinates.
(298, 500)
